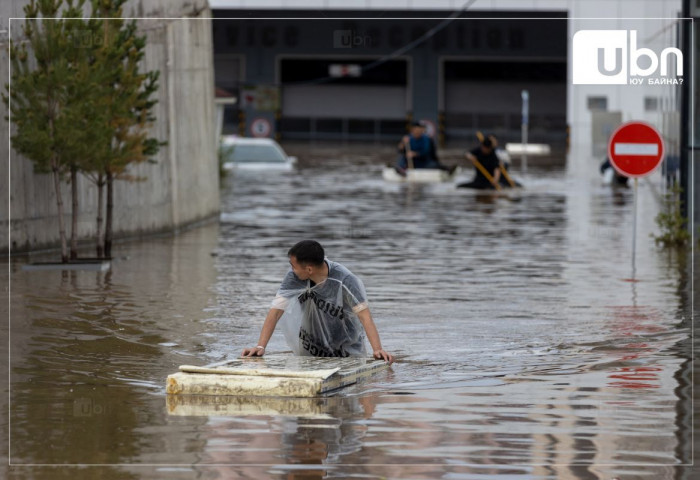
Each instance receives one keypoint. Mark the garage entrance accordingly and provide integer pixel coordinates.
(326, 99)
(486, 96)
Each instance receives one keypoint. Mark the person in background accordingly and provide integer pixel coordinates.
(506, 179)
(611, 176)
(484, 156)
(417, 150)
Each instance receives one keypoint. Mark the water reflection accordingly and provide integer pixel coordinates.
(84, 348)
(523, 352)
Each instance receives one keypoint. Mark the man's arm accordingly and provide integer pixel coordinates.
(267, 330)
(373, 336)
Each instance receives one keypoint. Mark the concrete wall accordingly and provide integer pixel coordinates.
(181, 187)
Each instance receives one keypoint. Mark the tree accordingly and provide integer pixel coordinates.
(84, 110)
(80, 103)
(128, 101)
(38, 94)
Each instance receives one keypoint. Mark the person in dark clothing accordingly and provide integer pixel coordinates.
(485, 155)
(506, 180)
(616, 179)
(421, 151)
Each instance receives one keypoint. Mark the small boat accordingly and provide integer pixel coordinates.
(419, 175)
(273, 375)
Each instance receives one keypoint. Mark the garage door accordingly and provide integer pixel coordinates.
(486, 96)
(316, 105)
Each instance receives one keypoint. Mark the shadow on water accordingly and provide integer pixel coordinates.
(524, 351)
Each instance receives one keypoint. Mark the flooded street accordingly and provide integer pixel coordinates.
(527, 346)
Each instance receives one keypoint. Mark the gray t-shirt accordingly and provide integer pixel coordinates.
(321, 320)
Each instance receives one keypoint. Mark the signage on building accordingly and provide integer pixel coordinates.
(344, 70)
(260, 127)
(262, 98)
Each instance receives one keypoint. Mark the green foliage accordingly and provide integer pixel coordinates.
(45, 84)
(78, 100)
(126, 93)
(78, 96)
(673, 226)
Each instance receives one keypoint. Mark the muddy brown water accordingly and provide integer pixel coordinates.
(527, 346)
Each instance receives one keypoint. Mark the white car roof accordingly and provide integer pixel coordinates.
(231, 140)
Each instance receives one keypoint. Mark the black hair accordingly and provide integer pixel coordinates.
(487, 143)
(308, 252)
(416, 124)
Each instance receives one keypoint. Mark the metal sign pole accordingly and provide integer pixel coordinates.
(525, 95)
(634, 226)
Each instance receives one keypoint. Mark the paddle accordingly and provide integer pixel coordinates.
(481, 168)
(503, 170)
(484, 172)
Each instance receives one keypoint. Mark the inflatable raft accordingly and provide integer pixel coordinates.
(419, 175)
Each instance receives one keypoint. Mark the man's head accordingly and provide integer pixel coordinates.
(417, 129)
(487, 145)
(306, 258)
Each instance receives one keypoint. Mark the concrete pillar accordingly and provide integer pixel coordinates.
(423, 84)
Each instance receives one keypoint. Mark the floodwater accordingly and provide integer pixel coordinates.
(528, 347)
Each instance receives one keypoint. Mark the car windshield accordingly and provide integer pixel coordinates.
(250, 153)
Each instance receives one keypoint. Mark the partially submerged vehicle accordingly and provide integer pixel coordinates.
(254, 154)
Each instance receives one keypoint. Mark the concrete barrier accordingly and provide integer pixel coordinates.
(181, 187)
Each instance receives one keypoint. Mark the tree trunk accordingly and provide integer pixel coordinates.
(100, 201)
(74, 213)
(59, 203)
(108, 223)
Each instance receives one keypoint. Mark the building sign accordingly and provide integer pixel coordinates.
(343, 70)
(262, 98)
(542, 36)
(260, 128)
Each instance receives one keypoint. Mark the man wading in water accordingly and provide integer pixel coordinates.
(323, 307)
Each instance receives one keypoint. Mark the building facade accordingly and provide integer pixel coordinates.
(341, 73)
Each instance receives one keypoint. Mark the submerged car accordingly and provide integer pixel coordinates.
(254, 154)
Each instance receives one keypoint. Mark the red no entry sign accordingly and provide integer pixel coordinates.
(635, 149)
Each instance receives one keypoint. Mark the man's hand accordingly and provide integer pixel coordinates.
(258, 351)
(383, 355)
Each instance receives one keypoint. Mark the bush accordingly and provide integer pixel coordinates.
(673, 226)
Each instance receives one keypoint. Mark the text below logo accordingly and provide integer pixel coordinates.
(612, 57)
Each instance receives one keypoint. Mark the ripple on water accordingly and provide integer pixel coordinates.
(517, 342)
